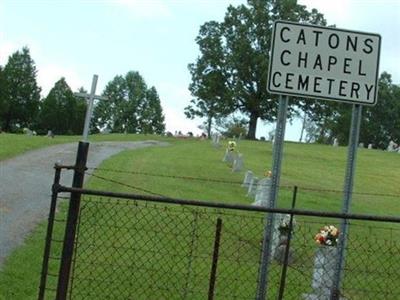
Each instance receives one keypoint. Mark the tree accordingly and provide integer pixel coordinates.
(236, 51)
(2, 100)
(152, 118)
(379, 123)
(131, 106)
(233, 126)
(61, 111)
(21, 93)
(212, 96)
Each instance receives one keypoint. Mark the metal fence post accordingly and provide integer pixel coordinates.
(72, 218)
(213, 273)
(348, 191)
(47, 247)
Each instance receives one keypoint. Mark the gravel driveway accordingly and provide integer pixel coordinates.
(25, 186)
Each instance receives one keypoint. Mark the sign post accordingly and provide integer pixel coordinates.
(328, 64)
(277, 154)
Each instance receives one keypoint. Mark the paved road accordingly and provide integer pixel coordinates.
(25, 186)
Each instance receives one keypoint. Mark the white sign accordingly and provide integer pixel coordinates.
(324, 63)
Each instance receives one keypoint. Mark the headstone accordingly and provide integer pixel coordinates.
(248, 176)
(228, 157)
(370, 146)
(215, 140)
(361, 145)
(323, 273)
(280, 251)
(335, 142)
(263, 198)
(263, 192)
(27, 131)
(50, 134)
(237, 163)
(251, 191)
(392, 147)
(284, 229)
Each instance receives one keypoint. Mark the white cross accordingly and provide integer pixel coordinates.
(89, 109)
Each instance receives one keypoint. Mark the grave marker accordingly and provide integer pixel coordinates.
(251, 192)
(90, 99)
(248, 176)
(238, 163)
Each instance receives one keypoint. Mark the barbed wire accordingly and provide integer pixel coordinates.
(233, 182)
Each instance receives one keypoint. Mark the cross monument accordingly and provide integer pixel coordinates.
(89, 111)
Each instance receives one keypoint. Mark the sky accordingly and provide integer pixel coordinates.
(76, 39)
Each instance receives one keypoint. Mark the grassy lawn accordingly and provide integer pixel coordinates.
(15, 144)
(311, 167)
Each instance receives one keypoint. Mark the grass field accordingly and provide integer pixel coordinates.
(15, 144)
(318, 170)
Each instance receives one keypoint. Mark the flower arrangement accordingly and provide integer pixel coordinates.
(284, 224)
(231, 146)
(268, 174)
(327, 236)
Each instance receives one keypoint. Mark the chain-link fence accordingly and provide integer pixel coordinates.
(167, 249)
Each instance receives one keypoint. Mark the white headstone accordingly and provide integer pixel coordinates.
(251, 192)
(238, 163)
(370, 146)
(263, 192)
(228, 157)
(361, 145)
(392, 146)
(215, 140)
(335, 142)
(248, 176)
(323, 274)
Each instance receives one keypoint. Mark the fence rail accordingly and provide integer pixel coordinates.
(152, 247)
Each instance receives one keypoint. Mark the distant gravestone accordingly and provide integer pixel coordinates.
(263, 198)
(228, 157)
(27, 131)
(370, 146)
(361, 145)
(248, 176)
(392, 147)
(215, 140)
(335, 142)
(50, 134)
(263, 192)
(237, 163)
(251, 192)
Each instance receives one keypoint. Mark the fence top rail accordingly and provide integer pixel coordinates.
(212, 204)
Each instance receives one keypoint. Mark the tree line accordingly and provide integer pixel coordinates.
(230, 76)
(131, 107)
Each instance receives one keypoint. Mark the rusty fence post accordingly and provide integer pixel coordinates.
(213, 273)
(50, 224)
(72, 218)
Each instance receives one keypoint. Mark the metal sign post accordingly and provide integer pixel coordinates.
(327, 64)
(276, 173)
(347, 196)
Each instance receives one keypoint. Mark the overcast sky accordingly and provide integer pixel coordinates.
(77, 39)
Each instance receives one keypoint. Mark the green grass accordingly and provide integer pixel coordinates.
(308, 166)
(14, 144)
